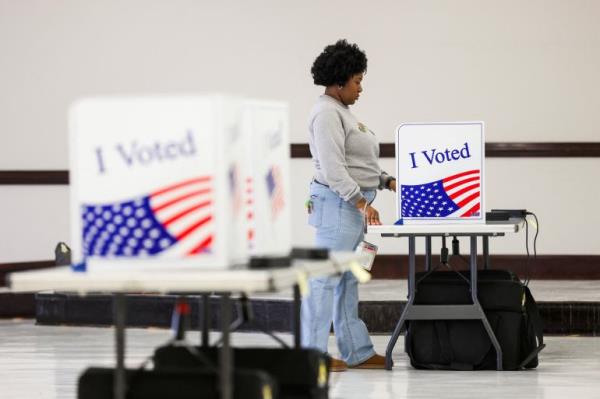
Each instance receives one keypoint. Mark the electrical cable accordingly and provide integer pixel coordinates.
(527, 262)
(455, 246)
(537, 231)
(444, 258)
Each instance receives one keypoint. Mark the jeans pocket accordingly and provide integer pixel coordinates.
(315, 217)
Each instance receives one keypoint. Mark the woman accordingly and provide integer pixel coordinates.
(345, 154)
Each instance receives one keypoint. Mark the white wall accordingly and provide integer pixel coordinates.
(528, 69)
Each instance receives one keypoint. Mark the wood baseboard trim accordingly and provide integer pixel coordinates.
(559, 318)
(34, 177)
(546, 267)
(498, 150)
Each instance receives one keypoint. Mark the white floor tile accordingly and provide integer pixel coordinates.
(44, 362)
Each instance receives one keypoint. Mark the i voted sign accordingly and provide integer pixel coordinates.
(157, 181)
(440, 169)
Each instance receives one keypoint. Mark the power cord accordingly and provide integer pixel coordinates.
(444, 260)
(444, 256)
(536, 225)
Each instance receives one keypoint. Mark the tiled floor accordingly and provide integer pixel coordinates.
(44, 362)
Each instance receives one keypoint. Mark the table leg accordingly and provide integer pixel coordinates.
(484, 320)
(205, 324)
(119, 315)
(473, 268)
(226, 354)
(427, 253)
(297, 306)
(411, 297)
(486, 252)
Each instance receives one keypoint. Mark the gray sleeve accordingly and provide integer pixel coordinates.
(384, 180)
(329, 138)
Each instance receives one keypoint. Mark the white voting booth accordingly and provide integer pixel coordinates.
(440, 193)
(268, 178)
(163, 181)
(440, 172)
(162, 188)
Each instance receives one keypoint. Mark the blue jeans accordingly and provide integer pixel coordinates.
(340, 228)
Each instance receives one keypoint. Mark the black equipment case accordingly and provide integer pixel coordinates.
(465, 344)
(299, 373)
(97, 383)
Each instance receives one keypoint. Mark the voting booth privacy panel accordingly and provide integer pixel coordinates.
(440, 172)
(175, 182)
(268, 178)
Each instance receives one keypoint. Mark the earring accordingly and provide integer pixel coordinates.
(340, 87)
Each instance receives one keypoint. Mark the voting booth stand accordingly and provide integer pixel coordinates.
(440, 193)
(175, 194)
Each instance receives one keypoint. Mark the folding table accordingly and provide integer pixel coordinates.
(446, 312)
(205, 282)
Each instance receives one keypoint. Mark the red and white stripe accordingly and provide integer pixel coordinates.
(277, 197)
(464, 189)
(249, 201)
(186, 211)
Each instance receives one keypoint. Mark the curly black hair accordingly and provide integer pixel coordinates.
(338, 63)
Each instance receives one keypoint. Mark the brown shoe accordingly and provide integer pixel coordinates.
(374, 362)
(337, 365)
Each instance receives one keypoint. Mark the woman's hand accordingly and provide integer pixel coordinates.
(392, 185)
(371, 215)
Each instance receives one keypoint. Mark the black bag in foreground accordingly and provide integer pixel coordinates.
(97, 383)
(299, 373)
(465, 344)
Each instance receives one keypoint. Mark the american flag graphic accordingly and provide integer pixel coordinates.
(458, 195)
(275, 187)
(175, 220)
(250, 212)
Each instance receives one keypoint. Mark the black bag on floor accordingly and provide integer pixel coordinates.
(299, 373)
(97, 383)
(465, 344)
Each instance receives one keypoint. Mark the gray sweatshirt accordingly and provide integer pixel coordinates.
(344, 151)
